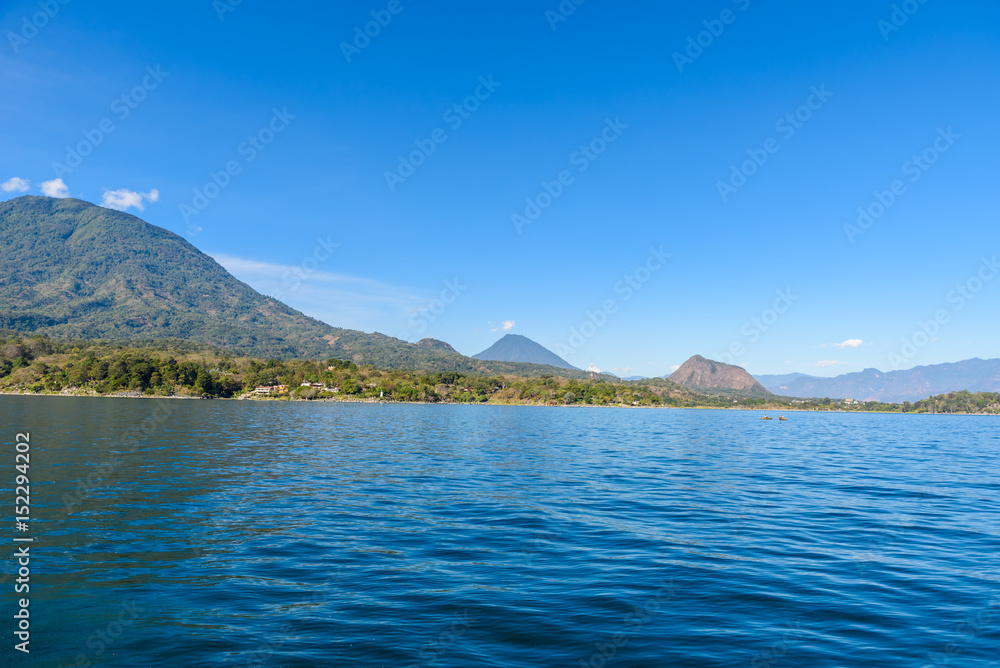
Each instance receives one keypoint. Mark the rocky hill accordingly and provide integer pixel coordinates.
(706, 375)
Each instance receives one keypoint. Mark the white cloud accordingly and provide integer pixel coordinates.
(15, 184)
(505, 326)
(122, 199)
(826, 363)
(54, 188)
(849, 343)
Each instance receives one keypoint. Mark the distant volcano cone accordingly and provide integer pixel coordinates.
(517, 348)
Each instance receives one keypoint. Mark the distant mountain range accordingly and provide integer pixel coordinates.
(974, 375)
(71, 269)
(708, 376)
(517, 348)
(769, 381)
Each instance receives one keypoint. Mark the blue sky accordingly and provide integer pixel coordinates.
(612, 120)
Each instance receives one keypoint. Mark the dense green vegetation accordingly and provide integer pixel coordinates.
(40, 364)
(176, 368)
(957, 402)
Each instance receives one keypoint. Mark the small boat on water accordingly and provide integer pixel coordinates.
(765, 418)
(783, 418)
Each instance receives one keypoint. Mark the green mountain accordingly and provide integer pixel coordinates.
(71, 269)
(517, 348)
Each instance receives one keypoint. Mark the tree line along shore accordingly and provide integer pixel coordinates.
(39, 365)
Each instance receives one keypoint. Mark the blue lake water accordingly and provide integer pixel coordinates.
(301, 534)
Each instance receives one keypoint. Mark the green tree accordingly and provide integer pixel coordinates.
(204, 383)
(79, 374)
(140, 373)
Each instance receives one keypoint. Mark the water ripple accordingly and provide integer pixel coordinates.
(367, 535)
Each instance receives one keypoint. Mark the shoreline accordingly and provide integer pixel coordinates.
(456, 403)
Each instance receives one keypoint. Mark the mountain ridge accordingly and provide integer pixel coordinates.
(974, 375)
(774, 380)
(72, 269)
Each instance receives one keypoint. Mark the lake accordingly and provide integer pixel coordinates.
(207, 533)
